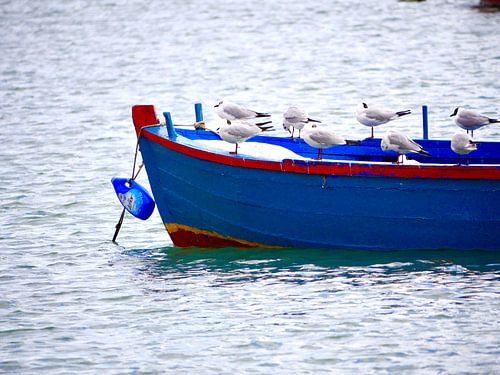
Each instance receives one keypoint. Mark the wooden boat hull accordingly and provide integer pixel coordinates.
(212, 200)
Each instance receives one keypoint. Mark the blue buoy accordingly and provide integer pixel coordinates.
(133, 197)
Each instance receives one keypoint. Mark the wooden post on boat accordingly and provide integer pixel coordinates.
(172, 134)
(425, 122)
(198, 112)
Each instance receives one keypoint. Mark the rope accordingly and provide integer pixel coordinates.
(134, 175)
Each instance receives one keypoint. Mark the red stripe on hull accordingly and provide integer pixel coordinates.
(338, 169)
(186, 236)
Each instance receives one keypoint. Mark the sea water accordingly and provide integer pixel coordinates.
(71, 301)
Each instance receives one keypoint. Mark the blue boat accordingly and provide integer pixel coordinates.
(355, 198)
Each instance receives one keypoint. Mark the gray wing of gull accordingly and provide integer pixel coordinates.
(243, 130)
(403, 143)
(470, 118)
(379, 115)
(326, 137)
(295, 115)
(238, 111)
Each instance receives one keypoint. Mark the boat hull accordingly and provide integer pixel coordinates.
(207, 203)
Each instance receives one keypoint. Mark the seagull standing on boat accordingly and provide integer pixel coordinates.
(470, 120)
(396, 141)
(371, 116)
(240, 131)
(296, 118)
(232, 112)
(462, 144)
(321, 138)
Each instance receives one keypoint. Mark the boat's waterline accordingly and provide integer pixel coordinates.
(188, 236)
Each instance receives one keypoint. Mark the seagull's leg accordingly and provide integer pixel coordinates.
(293, 131)
(372, 133)
(235, 150)
(472, 133)
(299, 132)
(317, 156)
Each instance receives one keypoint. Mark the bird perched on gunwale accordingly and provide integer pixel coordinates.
(372, 116)
(322, 138)
(470, 120)
(296, 118)
(232, 112)
(462, 143)
(400, 143)
(240, 131)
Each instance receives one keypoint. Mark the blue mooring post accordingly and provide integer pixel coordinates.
(425, 122)
(170, 126)
(198, 112)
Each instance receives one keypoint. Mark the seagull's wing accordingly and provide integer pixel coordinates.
(238, 111)
(295, 115)
(379, 114)
(242, 130)
(402, 142)
(470, 118)
(325, 137)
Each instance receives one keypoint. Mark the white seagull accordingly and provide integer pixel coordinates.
(462, 144)
(321, 138)
(470, 120)
(296, 118)
(231, 112)
(396, 141)
(376, 116)
(240, 131)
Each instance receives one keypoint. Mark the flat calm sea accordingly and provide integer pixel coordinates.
(71, 301)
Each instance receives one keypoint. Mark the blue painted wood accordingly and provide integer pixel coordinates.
(198, 112)
(315, 211)
(425, 122)
(172, 134)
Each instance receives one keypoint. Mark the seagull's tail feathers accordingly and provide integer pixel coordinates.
(265, 128)
(423, 152)
(493, 120)
(260, 114)
(403, 113)
(259, 124)
(311, 120)
(351, 142)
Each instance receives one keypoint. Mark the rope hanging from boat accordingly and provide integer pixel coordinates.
(132, 177)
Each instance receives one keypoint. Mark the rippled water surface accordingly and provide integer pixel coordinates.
(71, 301)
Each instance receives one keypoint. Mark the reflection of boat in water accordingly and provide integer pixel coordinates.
(489, 3)
(300, 265)
(354, 198)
